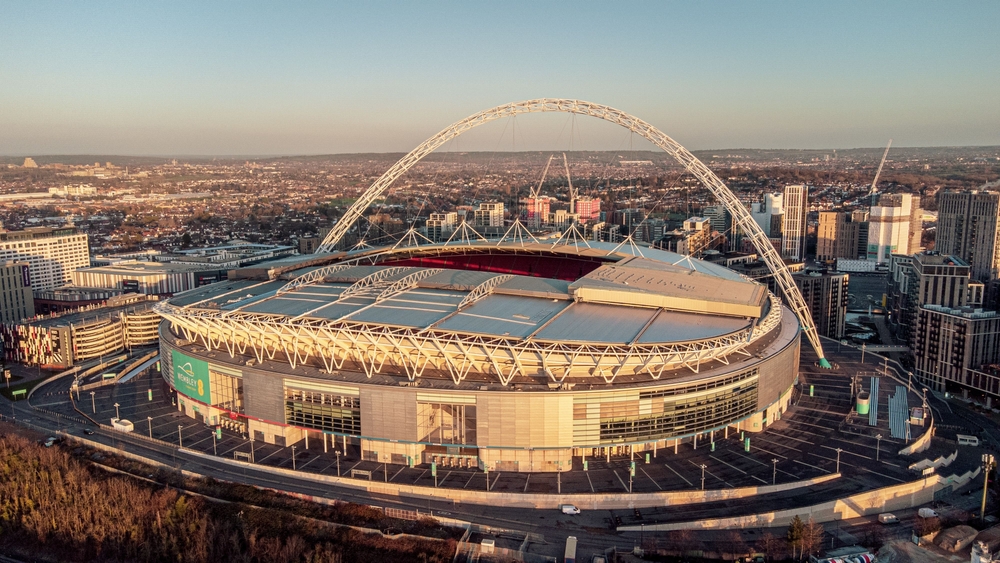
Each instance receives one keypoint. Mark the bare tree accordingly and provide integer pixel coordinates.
(812, 537)
(770, 545)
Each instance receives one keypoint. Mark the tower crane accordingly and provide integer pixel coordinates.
(871, 193)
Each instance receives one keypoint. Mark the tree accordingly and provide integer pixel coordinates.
(734, 545)
(794, 534)
(769, 545)
(812, 537)
(186, 240)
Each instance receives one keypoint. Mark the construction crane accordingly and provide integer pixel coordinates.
(572, 192)
(871, 193)
(538, 189)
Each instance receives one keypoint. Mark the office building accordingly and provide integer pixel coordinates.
(826, 296)
(149, 278)
(967, 228)
(793, 227)
(588, 208)
(536, 210)
(52, 253)
(16, 301)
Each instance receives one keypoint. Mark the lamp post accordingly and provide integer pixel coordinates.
(703, 466)
(774, 473)
(180, 439)
(150, 420)
(838, 450)
(862, 352)
(878, 443)
(116, 411)
(215, 444)
(988, 462)
(293, 458)
(93, 405)
(338, 463)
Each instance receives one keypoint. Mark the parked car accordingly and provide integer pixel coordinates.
(569, 509)
(927, 513)
(48, 443)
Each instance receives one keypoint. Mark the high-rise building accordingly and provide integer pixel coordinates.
(768, 214)
(838, 234)
(967, 227)
(722, 222)
(489, 215)
(892, 225)
(928, 278)
(440, 226)
(536, 210)
(793, 228)
(826, 296)
(588, 208)
(52, 253)
(952, 345)
(16, 301)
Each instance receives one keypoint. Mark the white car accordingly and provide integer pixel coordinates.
(49, 441)
(569, 509)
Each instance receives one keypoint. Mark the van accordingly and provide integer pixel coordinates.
(569, 509)
(887, 518)
(927, 513)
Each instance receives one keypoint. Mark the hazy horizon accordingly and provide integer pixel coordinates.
(314, 78)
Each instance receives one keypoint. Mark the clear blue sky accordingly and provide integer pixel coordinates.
(244, 78)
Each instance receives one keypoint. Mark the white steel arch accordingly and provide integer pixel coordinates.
(694, 166)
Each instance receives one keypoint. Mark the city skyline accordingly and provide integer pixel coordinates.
(319, 79)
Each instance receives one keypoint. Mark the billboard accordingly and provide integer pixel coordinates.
(191, 377)
(26, 275)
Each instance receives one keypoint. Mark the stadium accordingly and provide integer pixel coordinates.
(517, 355)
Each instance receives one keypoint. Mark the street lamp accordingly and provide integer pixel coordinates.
(838, 450)
(93, 405)
(180, 439)
(150, 420)
(774, 473)
(116, 411)
(878, 443)
(293, 458)
(338, 463)
(988, 463)
(703, 466)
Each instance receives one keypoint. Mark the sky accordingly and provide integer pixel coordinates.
(248, 78)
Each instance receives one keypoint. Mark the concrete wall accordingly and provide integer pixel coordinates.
(542, 501)
(898, 497)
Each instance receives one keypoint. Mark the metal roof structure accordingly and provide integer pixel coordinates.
(647, 315)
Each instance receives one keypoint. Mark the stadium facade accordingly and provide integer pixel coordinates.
(511, 356)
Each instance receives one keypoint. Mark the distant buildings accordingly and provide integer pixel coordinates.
(440, 226)
(588, 208)
(16, 301)
(768, 214)
(52, 253)
(489, 215)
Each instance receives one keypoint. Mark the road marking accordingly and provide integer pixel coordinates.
(397, 473)
(587, 473)
(526, 481)
(445, 478)
(650, 478)
(466, 486)
(419, 477)
(624, 486)
(267, 456)
(678, 474)
(811, 465)
(843, 451)
(738, 469)
(310, 460)
(497, 478)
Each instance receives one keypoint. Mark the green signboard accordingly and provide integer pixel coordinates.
(191, 377)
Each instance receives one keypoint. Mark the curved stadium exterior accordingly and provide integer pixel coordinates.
(511, 356)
